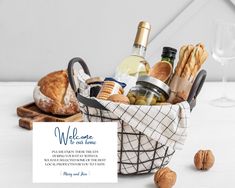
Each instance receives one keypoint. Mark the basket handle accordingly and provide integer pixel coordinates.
(196, 88)
(88, 102)
(71, 71)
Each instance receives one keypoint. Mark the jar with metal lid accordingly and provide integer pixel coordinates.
(148, 91)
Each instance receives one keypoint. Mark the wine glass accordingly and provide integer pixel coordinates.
(223, 51)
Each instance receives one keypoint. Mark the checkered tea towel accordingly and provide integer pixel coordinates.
(166, 124)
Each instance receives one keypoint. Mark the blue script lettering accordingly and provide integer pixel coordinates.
(71, 136)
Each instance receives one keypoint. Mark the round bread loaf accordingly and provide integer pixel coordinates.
(53, 94)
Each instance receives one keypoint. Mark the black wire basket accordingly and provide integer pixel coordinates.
(137, 153)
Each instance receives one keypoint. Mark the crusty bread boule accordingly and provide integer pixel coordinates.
(53, 94)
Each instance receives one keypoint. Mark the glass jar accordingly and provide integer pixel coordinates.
(148, 91)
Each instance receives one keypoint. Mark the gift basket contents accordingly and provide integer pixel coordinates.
(151, 104)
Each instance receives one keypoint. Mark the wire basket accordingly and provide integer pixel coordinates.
(137, 152)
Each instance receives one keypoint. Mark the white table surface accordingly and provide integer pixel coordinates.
(210, 127)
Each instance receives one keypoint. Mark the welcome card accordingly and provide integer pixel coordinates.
(74, 152)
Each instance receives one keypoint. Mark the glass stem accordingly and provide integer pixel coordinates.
(224, 80)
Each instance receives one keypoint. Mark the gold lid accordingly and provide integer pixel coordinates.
(142, 34)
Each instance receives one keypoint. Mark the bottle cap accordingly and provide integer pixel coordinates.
(142, 34)
(145, 25)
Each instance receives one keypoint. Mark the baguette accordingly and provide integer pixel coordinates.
(190, 61)
(178, 68)
(201, 57)
(197, 58)
(181, 65)
(186, 72)
(195, 62)
(204, 57)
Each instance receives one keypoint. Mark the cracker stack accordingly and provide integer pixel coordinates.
(109, 88)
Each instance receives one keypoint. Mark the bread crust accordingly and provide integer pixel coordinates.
(53, 94)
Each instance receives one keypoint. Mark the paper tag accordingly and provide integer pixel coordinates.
(65, 152)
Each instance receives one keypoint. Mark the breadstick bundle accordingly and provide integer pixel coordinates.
(190, 61)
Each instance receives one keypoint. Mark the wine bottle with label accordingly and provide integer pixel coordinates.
(135, 65)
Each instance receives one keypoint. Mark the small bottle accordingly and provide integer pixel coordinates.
(135, 65)
(163, 70)
(168, 54)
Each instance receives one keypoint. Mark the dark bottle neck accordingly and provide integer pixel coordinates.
(168, 54)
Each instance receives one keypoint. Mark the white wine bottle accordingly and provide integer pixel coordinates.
(135, 65)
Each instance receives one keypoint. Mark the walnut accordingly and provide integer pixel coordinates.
(204, 159)
(165, 178)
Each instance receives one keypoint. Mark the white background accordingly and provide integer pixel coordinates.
(37, 37)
